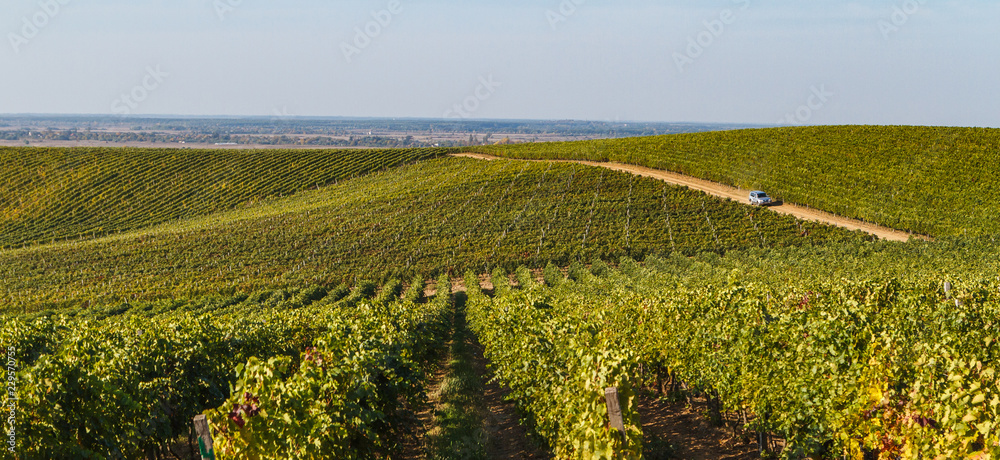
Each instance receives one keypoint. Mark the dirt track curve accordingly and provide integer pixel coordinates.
(725, 191)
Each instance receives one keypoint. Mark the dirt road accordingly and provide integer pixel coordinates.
(725, 191)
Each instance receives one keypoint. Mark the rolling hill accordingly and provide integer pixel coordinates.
(933, 181)
(443, 215)
(49, 194)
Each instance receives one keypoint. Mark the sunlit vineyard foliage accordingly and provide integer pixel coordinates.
(263, 289)
(936, 181)
(869, 363)
(444, 215)
(557, 367)
(49, 194)
(126, 383)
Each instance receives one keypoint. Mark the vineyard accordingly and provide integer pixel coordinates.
(443, 215)
(126, 384)
(49, 195)
(312, 304)
(933, 181)
(846, 368)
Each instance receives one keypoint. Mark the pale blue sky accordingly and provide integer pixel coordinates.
(876, 62)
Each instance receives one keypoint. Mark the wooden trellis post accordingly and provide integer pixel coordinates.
(615, 411)
(205, 445)
(947, 294)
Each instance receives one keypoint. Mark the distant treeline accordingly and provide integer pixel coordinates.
(343, 127)
(216, 137)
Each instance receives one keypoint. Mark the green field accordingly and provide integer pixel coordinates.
(932, 181)
(49, 194)
(282, 294)
(444, 215)
(837, 367)
(128, 383)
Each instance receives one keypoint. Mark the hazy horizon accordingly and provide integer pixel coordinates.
(746, 62)
(180, 116)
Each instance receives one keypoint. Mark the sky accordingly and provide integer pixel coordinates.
(899, 62)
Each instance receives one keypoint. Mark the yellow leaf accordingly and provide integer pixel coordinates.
(874, 394)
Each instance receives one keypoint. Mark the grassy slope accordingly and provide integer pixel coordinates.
(56, 194)
(438, 215)
(936, 181)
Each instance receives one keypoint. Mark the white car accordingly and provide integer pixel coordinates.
(760, 198)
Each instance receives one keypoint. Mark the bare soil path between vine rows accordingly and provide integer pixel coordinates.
(725, 191)
(506, 438)
(689, 432)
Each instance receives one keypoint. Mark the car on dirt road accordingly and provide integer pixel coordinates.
(760, 198)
